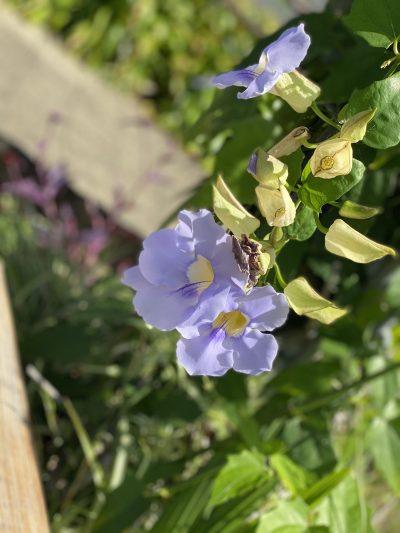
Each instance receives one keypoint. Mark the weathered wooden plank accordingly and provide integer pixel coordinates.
(107, 141)
(22, 507)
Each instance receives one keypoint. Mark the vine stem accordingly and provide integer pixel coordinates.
(396, 46)
(279, 276)
(319, 225)
(332, 395)
(324, 117)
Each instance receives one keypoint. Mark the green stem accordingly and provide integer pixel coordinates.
(394, 67)
(333, 395)
(396, 46)
(324, 117)
(84, 440)
(306, 144)
(319, 225)
(279, 276)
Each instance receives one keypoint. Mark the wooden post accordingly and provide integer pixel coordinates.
(22, 507)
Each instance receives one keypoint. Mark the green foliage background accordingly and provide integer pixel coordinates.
(312, 446)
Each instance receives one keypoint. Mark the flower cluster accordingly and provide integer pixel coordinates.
(203, 281)
(276, 72)
(188, 279)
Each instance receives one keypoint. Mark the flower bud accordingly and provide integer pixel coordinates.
(253, 258)
(231, 212)
(267, 170)
(297, 90)
(276, 205)
(361, 212)
(267, 258)
(345, 241)
(304, 300)
(355, 128)
(332, 158)
(291, 142)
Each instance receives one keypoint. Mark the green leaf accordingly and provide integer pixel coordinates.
(384, 129)
(122, 507)
(316, 192)
(358, 67)
(294, 477)
(288, 516)
(377, 21)
(185, 507)
(324, 486)
(344, 510)
(242, 471)
(303, 226)
(384, 443)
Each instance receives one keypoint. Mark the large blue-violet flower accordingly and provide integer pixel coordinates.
(179, 268)
(282, 56)
(226, 331)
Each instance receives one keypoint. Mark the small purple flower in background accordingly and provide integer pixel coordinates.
(226, 333)
(282, 56)
(179, 268)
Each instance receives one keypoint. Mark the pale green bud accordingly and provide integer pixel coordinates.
(355, 128)
(297, 90)
(231, 212)
(291, 142)
(276, 205)
(332, 158)
(269, 171)
(361, 212)
(345, 241)
(304, 300)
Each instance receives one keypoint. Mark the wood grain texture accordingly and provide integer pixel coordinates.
(107, 141)
(22, 507)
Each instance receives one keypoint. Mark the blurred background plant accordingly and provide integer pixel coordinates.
(129, 442)
(163, 50)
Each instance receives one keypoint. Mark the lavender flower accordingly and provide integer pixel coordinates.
(282, 56)
(226, 332)
(179, 268)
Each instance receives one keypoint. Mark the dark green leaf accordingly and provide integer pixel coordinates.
(303, 226)
(377, 21)
(242, 471)
(122, 507)
(318, 191)
(384, 129)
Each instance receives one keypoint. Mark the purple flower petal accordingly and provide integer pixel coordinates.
(260, 85)
(288, 51)
(162, 307)
(204, 356)
(162, 262)
(225, 266)
(254, 352)
(241, 78)
(201, 230)
(133, 278)
(265, 308)
(252, 166)
(206, 311)
(282, 56)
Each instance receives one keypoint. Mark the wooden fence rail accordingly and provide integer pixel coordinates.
(22, 507)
